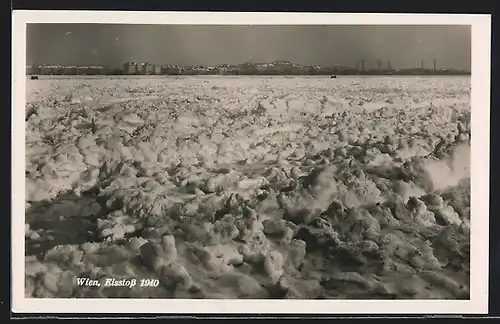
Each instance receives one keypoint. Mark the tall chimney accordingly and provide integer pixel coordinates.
(422, 64)
(363, 65)
(434, 65)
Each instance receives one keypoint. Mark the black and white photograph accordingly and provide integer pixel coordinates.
(260, 161)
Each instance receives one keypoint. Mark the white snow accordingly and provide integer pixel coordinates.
(247, 187)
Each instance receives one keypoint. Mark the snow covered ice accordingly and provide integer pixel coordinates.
(249, 187)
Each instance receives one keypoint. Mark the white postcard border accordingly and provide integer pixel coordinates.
(480, 101)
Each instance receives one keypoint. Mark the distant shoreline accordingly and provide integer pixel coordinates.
(254, 75)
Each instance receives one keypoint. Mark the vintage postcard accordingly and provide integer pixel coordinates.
(198, 162)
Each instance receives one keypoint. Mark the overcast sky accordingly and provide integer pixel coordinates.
(112, 45)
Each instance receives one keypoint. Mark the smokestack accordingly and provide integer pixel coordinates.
(422, 64)
(434, 65)
(379, 63)
(363, 65)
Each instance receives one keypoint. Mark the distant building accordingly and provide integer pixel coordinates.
(157, 69)
(33, 69)
(149, 69)
(189, 70)
(212, 70)
(267, 68)
(90, 70)
(82, 70)
(70, 70)
(247, 68)
(281, 67)
(129, 68)
(300, 70)
(326, 70)
(170, 69)
(282, 63)
(200, 70)
(141, 68)
(223, 69)
(232, 69)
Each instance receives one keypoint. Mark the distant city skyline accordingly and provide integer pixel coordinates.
(112, 45)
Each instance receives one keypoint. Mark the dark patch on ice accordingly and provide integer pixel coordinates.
(63, 230)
